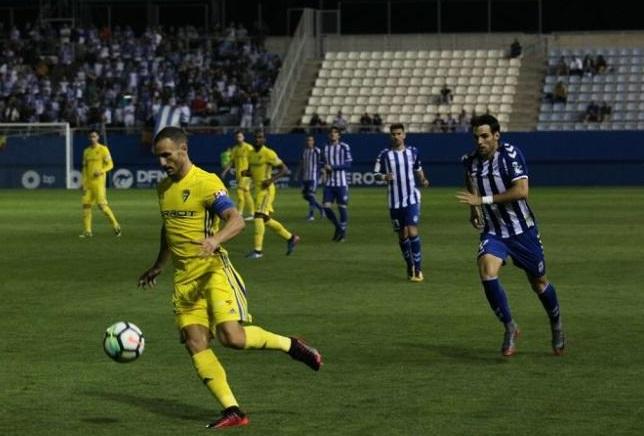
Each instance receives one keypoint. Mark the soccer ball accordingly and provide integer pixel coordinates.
(123, 342)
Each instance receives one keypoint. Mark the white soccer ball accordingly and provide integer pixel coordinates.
(123, 342)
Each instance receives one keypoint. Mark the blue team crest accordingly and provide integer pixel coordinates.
(185, 194)
(518, 169)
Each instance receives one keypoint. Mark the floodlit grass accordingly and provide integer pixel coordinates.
(400, 358)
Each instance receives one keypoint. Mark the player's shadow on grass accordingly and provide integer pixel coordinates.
(160, 406)
(463, 354)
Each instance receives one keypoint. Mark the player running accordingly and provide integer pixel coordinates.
(496, 177)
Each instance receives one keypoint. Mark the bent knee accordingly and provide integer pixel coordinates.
(196, 345)
(539, 284)
(232, 340)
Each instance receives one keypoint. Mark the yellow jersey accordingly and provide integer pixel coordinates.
(261, 164)
(189, 210)
(239, 155)
(96, 159)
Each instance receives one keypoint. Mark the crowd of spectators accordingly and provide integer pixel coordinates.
(588, 66)
(597, 114)
(367, 124)
(86, 75)
(450, 123)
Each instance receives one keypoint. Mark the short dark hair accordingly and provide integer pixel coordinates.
(175, 134)
(395, 126)
(336, 128)
(94, 131)
(238, 131)
(259, 132)
(488, 119)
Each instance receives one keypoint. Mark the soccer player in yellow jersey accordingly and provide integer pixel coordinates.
(239, 161)
(96, 163)
(261, 161)
(209, 295)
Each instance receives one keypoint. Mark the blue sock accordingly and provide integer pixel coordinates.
(549, 300)
(331, 216)
(343, 217)
(498, 301)
(416, 251)
(405, 249)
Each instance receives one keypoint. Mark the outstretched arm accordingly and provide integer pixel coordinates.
(149, 277)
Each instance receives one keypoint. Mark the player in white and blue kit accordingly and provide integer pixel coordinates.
(399, 166)
(336, 160)
(310, 172)
(497, 184)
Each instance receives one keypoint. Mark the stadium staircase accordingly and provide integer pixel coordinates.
(525, 109)
(298, 100)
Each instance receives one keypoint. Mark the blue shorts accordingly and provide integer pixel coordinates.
(404, 216)
(337, 194)
(525, 250)
(308, 187)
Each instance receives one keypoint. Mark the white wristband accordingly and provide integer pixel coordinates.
(487, 199)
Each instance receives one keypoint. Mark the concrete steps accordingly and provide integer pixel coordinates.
(299, 98)
(525, 110)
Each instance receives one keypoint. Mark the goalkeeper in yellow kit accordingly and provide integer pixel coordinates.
(209, 295)
(97, 161)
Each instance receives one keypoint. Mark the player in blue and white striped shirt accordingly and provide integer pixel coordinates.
(336, 160)
(309, 173)
(399, 166)
(497, 184)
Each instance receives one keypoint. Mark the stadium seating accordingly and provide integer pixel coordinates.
(404, 86)
(621, 87)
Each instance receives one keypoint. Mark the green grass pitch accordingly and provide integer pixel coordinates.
(400, 358)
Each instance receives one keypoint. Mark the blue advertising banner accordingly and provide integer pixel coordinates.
(554, 158)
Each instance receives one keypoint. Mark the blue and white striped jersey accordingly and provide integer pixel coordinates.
(167, 116)
(495, 176)
(310, 164)
(402, 165)
(338, 156)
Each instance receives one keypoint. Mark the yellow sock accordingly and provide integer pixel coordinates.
(241, 200)
(110, 215)
(278, 228)
(213, 376)
(249, 203)
(259, 234)
(257, 338)
(87, 220)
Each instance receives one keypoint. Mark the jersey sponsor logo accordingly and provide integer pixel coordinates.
(185, 194)
(178, 213)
